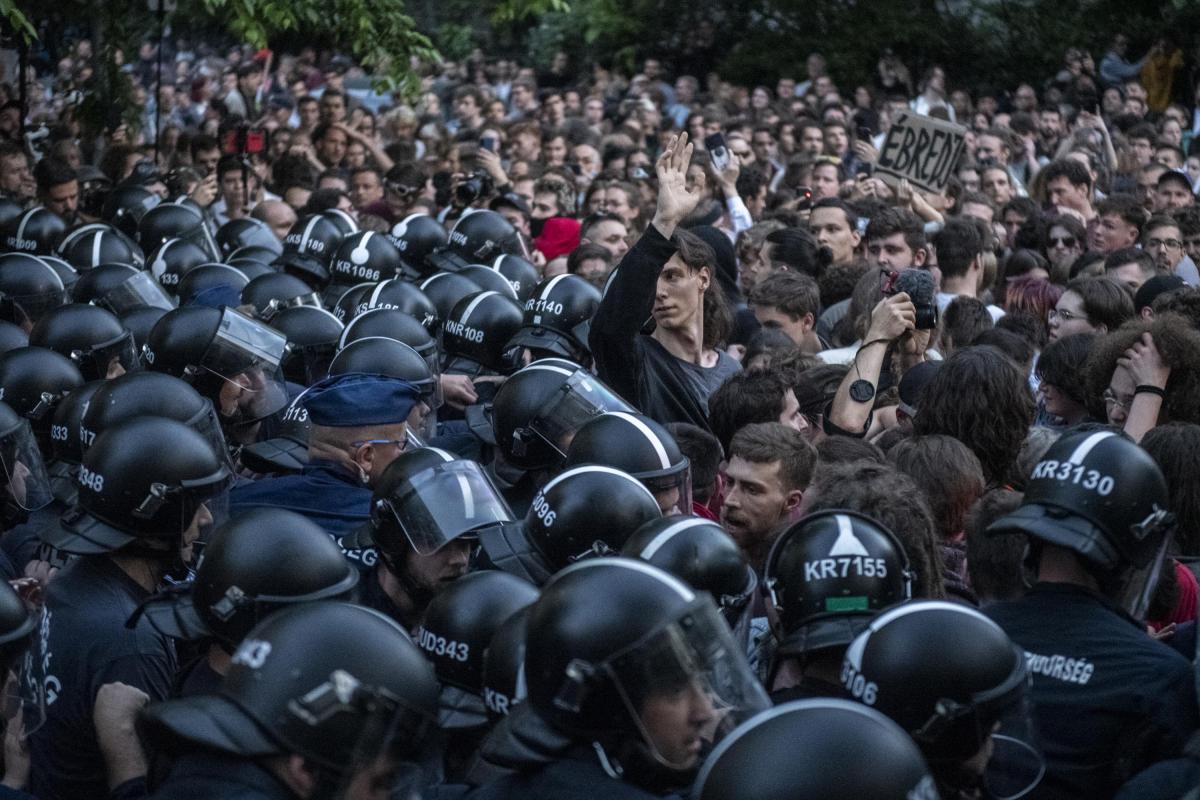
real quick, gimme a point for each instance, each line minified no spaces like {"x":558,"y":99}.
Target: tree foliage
{"x":981,"y":43}
{"x":379,"y":33}
{"x":16,"y":19}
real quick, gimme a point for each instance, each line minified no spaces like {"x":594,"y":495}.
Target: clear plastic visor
{"x":445,"y":502}
{"x":138,"y":290}
{"x":582,"y":397}
{"x":687,"y":685}
{"x":26,"y":480}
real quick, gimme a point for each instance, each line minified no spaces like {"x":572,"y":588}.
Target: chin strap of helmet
{"x":637,"y":764}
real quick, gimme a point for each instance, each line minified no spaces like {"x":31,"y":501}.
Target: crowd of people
{"x":577,"y":434}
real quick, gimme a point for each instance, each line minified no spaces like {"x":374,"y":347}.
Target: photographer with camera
{"x":906,"y":318}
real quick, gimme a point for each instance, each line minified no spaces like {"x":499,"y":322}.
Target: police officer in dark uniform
{"x":1108,"y":699}
{"x":700,"y":553}
{"x":950,"y":677}
{"x":229,"y":358}
{"x":458,"y":626}
{"x":831,"y":749}
{"x":427,"y":512}
{"x":33,"y":382}
{"x":585,"y":512}
{"x":826,"y":577}
{"x":252,"y":566}
{"x":621,"y":703}
{"x":358,"y":429}
{"x":531,"y":421}
{"x":140,"y":509}
{"x":318,"y":698}
{"x":18,"y":631}
{"x":640,"y":446}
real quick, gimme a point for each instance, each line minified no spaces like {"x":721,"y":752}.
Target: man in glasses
{"x":359,"y":424}
{"x":1163,"y":240}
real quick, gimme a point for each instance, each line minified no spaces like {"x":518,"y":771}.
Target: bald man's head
{"x":278,"y":215}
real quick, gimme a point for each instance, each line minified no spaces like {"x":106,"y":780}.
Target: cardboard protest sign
{"x":922,"y":149}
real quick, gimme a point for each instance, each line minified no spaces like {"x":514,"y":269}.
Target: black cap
{"x":1159,"y":284}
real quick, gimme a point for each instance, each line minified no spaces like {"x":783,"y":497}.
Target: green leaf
{"x":17,"y":19}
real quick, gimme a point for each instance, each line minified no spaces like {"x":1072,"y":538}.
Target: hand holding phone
{"x":717,"y":151}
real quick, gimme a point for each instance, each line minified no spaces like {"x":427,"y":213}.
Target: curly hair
{"x":1062,"y":363}
{"x":1184,"y":301}
{"x":1175,"y":447}
{"x":981,"y":398}
{"x":1179,"y":345}
{"x":889,"y":497}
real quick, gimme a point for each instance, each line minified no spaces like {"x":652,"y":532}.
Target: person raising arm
{"x":656,"y":332}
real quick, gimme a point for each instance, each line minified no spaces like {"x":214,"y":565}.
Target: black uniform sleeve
{"x":150,"y":673}
{"x":627,"y":304}
{"x":133,"y":789}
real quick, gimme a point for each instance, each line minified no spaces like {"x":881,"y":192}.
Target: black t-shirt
{"x":635,"y":365}
{"x":21,"y":543}
{"x":1108,"y":700}
{"x":195,"y":678}
{"x":87,"y":645}
{"x":209,"y":775}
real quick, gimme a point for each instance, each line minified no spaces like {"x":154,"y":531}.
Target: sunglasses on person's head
{"x":399,"y":189}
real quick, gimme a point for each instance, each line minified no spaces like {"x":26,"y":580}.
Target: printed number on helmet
{"x":857,"y":685}
{"x":546,"y":514}
{"x":91,"y":480}
{"x":1089,"y":479}
{"x":438,"y":645}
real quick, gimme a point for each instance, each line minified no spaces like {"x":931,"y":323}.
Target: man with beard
{"x":58,"y":188}
{"x":426,"y":512}
{"x":1163,"y":240}
{"x":770,"y":466}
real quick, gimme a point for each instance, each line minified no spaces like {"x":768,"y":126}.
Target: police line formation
{"x":277,"y":564}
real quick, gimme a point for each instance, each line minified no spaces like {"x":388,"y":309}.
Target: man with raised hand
{"x":665,"y":284}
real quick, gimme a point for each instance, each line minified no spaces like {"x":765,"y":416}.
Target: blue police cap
{"x":218,"y":296}
{"x":357,"y":399}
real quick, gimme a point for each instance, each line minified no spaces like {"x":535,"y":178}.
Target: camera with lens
{"x":919,"y":285}
{"x":474,"y":187}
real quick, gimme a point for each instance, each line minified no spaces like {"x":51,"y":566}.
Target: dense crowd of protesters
{"x":634,"y":403}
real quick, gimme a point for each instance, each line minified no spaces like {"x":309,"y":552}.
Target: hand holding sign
{"x":921,"y":149}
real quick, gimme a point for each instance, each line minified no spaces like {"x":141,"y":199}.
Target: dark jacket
{"x":204,"y":776}
{"x":1108,"y":700}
